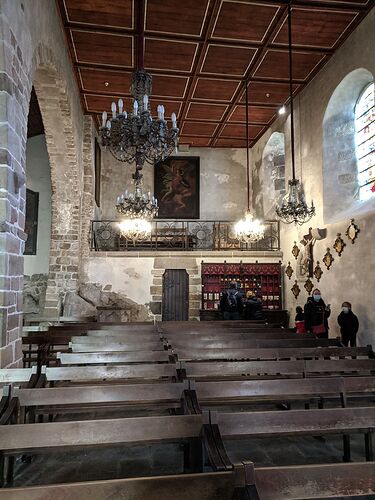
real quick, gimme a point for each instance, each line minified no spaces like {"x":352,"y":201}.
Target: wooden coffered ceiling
{"x":200,"y":53}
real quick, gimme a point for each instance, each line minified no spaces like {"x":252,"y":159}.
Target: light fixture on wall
{"x":293,"y":207}
{"x":137,"y":137}
{"x":248,"y":230}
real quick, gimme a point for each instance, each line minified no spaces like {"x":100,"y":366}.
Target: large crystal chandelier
{"x":248,"y":230}
{"x":293,"y":207}
{"x":136,"y":136}
{"x":137,"y":204}
{"x":135,"y":229}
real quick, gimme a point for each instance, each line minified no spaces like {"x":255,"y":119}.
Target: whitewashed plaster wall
{"x":38,"y":178}
{"x":352,"y":275}
{"x":222,"y":182}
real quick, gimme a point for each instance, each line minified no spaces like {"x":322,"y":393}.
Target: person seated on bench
{"x":316,"y":315}
{"x":253,"y":306}
{"x":300,"y":320}
{"x":231,"y":304}
{"x":349,"y":325}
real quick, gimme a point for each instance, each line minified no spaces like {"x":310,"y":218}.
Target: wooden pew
{"x":264,"y":344}
{"x":63,"y":436}
{"x":79,"y":374}
{"x":296,"y":368}
{"x":18,"y":375}
{"x":273,"y":353}
{"x":116,"y":347}
{"x":134,"y":340}
{"x":106,"y":358}
{"x":226,"y":338}
{"x":305,"y":481}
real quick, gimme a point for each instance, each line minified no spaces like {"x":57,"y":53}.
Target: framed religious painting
{"x":31,"y":221}
{"x":176,"y":187}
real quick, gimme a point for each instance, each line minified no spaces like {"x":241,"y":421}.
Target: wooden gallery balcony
{"x":184,"y":235}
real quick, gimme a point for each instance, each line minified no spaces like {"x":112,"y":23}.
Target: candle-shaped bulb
{"x":108,"y":125}
{"x":113,"y":108}
{"x":118,"y":200}
{"x":135,"y":107}
{"x":145,"y":101}
{"x":149,"y":195}
{"x":159,"y":111}
{"x":162,"y":112}
{"x":174,"y":120}
{"x":120,"y":106}
{"x":104,"y":118}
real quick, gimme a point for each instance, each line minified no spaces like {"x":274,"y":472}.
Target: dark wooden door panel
{"x":175,"y":295}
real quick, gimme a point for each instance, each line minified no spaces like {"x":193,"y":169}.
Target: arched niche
{"x":340,"y":174}
{"x":273,"y":173}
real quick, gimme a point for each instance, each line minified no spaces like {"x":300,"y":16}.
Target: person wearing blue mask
{"x":317,"y":314}
{"x":349,"y":325}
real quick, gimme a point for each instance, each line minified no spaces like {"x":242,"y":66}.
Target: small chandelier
{"x":135,"y":229}
{"x":293,"y":207}
{"x":137,"y":137}
{"x":137,"y":204}
{"x":248,"y":230}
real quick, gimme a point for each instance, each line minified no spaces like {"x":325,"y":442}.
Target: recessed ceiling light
{"x":106,"y":84}
{"x":268,"y":94}
{"x":282,"y":110}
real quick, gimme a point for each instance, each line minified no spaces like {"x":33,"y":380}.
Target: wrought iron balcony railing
{"x":187,"y":235}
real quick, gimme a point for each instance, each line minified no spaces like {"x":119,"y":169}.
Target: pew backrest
{"x":103,"y":358}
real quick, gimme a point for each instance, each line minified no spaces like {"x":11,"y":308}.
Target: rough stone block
{"x":6,"y":355}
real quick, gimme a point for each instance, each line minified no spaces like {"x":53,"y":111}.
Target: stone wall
{"x":33,"y":51}
{"x":351,"y":276}
{"x":222,"y":181}
{"x":134,"y":282}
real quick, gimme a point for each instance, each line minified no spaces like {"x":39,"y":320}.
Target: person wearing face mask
{"x":317,"y":314}
{"x":349,"y":325}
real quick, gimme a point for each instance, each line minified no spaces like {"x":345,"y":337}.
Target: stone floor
{"x":119,"y":462}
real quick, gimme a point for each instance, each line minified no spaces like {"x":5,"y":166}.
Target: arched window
{"x":365,"y":143}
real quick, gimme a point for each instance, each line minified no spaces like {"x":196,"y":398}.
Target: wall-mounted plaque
{"x":289,"y":270}
{"x":318,"y":271}
{"x":295,"y":250}
{"x":352,"y":231}
{"x":339,"y":244}
{"x":308,"y":286}
{"x":328,"y":259}
{"x":295,"y":289}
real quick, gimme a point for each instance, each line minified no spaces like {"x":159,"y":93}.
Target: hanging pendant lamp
{"x":248,"y":230}
{"x":293,"y":207}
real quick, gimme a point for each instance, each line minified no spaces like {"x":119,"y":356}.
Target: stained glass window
{"x":365,"y":142}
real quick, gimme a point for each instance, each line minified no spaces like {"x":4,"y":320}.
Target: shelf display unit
{"x":263,"y":279}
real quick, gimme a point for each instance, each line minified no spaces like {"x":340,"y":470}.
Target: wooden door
{"x":175,"y":295}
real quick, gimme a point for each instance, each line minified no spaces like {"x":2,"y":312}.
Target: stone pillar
{"x":88,"y":185}
{"x":15,"y":89}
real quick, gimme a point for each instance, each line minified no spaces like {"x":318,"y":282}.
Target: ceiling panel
{"x":275,"y":65}
{"x":243,"y":21}
{"x":201,"y":53}
{"x":176,"y":16}
{"x":316,"y":28}
{"x":227,"y":60}
{"x":110,"y":49}
{"x":118,"y":14}
{"x":200,"y":111}
{"x":170,"y":55}
{"x":256,"y":114}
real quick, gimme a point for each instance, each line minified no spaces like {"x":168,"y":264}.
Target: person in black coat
{"x":317,"y":314}
{"x":253,"y":307}
{"x":231,"y":303}
{"x":349,"y":325}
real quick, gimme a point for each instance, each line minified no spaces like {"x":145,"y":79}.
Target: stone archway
{"x":66,"y":178}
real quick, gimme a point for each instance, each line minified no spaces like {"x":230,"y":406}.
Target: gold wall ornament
{"x":295,"y":289}
{"x":318,"y":271}
{"x":308,"y":286}
{"x":295,"y":250}
{"x":328,"y":259}
{"x":339,"y":244}
{"x":289,"y":270}
{"x":352,"y":231}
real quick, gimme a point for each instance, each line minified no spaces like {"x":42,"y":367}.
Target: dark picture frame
{"x":31,"y":222}
{"x":176,"y":187}
{"x":98,"y":170}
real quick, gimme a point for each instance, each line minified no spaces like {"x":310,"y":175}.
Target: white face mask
{"x":345,"y":309}
{"x":317,"y":297}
